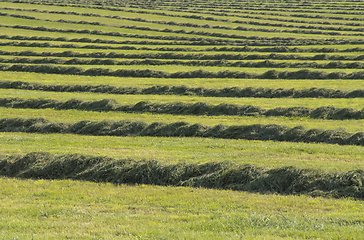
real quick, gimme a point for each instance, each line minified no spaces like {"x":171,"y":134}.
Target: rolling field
{"x":181,"y":119}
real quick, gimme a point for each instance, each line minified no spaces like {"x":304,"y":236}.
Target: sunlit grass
{"x":171,"y":150}
{"x":61,"y":209}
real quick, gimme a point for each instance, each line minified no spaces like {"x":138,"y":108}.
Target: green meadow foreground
{"x":61,"y":209}
{"x":172,"y":150}
{"x":181,"y":119}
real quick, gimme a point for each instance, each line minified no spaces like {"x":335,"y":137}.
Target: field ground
{"x":49,"y":209}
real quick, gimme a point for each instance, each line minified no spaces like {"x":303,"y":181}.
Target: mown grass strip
{"x":180,"y":108}
{"x":183,"y":129}
{"x":163,"y":55}
{"x":175,"y":150}
{"x":217,"y":175}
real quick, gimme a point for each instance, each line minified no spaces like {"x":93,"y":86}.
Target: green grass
{"x":218,"y":83}
{"x":62,"y":209}
{"x":268,"y":154}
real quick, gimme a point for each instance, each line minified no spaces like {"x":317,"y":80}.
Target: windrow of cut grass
{"x":211,"y":83}
{"x":48,"y":41}
{"x":73,"y":116}
{"x":183,"y":129}
{"x":234,"y":92}
{"x":216,"y":63}
{"x":266,"y":103}
{"x":190,"y":72}
{"x":179,"y":108}
{"x":219,"y":175}
{"x":37,"y":51}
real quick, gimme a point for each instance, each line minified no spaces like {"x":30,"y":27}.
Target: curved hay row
{"x":180,"y":108}
{"x":216,"y":63}
{"x":185,"y":90}
{"x":183,"y":129}
{"x":218,"y":175}
{"x":271,"y":74}
{"x":182,"y":56}
{"x":273,"y":49}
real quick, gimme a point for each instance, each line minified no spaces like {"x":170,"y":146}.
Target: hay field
{"x":225,"y":119}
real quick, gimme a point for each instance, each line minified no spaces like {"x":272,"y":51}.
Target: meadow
{"x":181,"y":119}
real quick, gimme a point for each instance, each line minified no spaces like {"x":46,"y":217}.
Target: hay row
{"x":217,"y":175}
{"x":184,"y":56}
{"x":235,"y":39}
{"x":216,"y":63}
{"x":183,"y":129}
{"x":271,"y":74}
{"x":260,"y":92}
{"x":274,"y":49}
{"x":180,"y":108}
